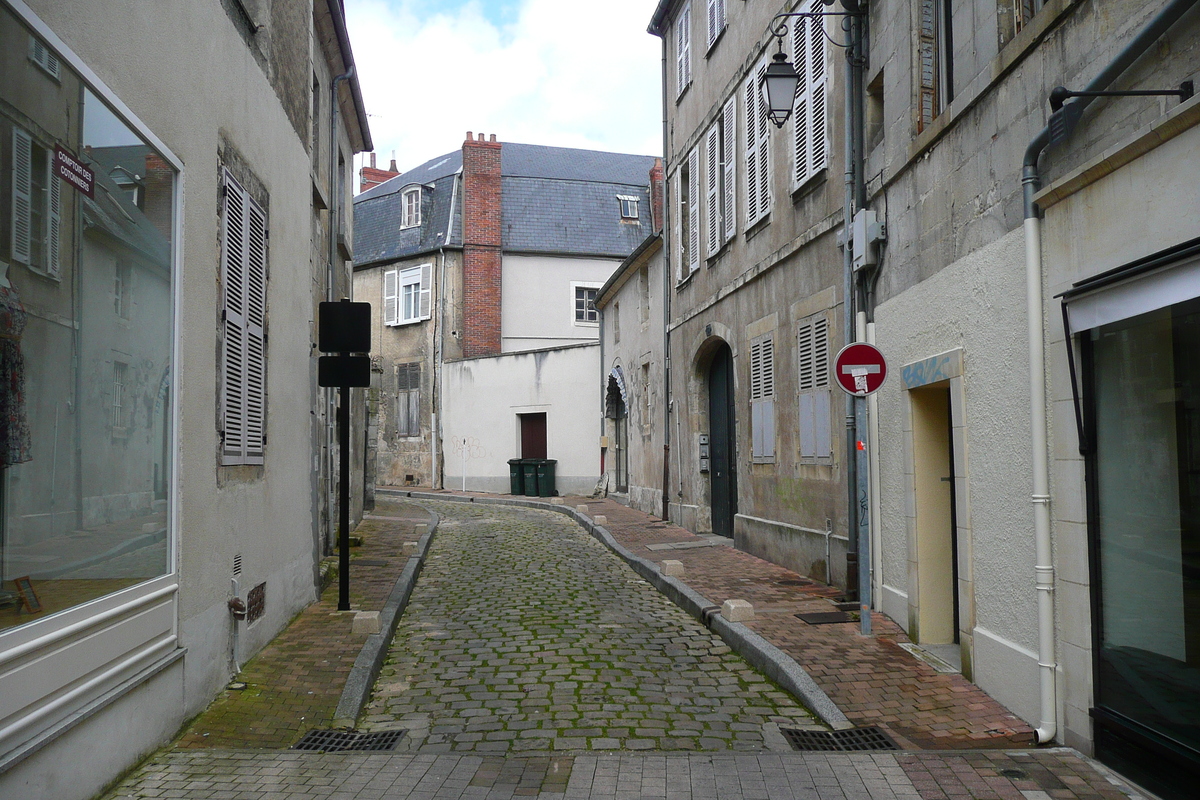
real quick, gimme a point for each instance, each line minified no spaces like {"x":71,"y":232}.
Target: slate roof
{"x":555,"y":200}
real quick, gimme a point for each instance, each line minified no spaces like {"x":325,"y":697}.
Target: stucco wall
{"x":483,"y":397}
{"x":538,"y":303}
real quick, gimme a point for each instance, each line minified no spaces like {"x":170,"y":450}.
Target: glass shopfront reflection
{"x":1145,"y":378}
{"x":86,"y":215}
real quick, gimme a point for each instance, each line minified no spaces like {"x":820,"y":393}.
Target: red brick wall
{"x":370,"y":177}
{"x":656,"y":195}
{"x":481,"y":246}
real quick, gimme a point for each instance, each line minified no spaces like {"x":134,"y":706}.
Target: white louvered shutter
{"x":391,"y":302}
{"x":810,"y":144}
{"x":22,"y":188}
{"x":715,"y":19}
{"x":677,"y":226}
{"x":818,"y":137}
{"x":801,"y":123}
{"x":256,"y":329}
{"x":712,"y":175}
{"x":728,"y":152}
{"x":764,"y":149}
{"x":424,"y":304}
{"x":54,"y":221}
{"x":758,"y":168}
{"x":751,"y":105}
{"x":683,"y":50}
{"x":233,"y":276}
{"x":693,"y":210}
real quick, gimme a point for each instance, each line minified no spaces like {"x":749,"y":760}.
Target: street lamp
{"x":778,"y":85}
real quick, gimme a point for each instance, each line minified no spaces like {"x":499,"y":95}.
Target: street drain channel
{"x":338,"y":741}
{"x":855,"y":739}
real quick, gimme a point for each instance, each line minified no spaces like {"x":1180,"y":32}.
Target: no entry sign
{"x":860,"y":369}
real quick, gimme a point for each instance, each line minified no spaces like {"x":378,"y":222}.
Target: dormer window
{"x":411,"y":216}
{"x":629,"y":206}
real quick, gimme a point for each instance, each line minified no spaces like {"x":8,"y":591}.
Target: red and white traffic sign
{"x":860,"y":369}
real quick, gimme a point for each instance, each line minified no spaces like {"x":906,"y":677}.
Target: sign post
{"x":344,"y":328}
{"x":860,"y":369}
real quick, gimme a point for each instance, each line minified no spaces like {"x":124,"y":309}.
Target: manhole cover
{"x":825,"y":617}
{"x":369,"y":562}
{"x":337,"y":741}
{"x":793,"y":582}
{"x":1014,"y":774}
{"x":871,"y":738}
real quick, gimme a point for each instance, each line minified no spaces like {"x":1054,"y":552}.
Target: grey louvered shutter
{"x":729,"y":153}
{"x":256,"y":329}
{"x":53,"y":221}
{"x":712,"y":174}
{"x":233,"y":367}
{"x":22,"y":190}
{"x":762,"y":397}
{"x":424,"y":304}
{"x":694,"y":210}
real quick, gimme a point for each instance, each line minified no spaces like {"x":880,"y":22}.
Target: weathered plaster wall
{"x":538,"y":303}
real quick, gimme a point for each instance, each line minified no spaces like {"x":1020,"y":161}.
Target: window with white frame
{"x":762,"y":398}
{"x":812,"y":361}
{"x":720,"y":191}
{"x":406,"y":294}
{"x":683,"y":49}
{"x":810,"y":143}
{"x":36,"y":205}
{"x":408,"y":399}
{"x":244,"y":366}
{"x":411,"y":202}
{"x":757,"y":149}
{"x":629,"y":206}
{"x":715,"y":19}
{"x":585,"y":305}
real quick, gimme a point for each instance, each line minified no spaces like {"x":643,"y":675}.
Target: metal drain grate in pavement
{"x":870,"y":738}
{"x":337,"y":741}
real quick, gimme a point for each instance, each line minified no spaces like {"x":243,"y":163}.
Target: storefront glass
{"x":1145,"y":374}
{"x":86,"y":215}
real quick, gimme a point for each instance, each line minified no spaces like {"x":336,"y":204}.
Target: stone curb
{"x":374,"y":651}
{"x":759,"y":652}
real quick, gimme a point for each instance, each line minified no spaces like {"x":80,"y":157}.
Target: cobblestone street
{"x":525,"y":634}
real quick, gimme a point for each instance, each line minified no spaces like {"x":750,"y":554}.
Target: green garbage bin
{"x":516,"y":476}
{"x":529,"y":467}
{"x":545,"y":476}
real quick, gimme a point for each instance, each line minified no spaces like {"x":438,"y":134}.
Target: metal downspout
{"x":1031,"y":183}
{"x":848,"y":334}
{"x":666,"y":304}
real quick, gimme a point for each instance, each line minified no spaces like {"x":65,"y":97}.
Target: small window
{"x":408,"y":399}
{"x":43,"y":57}
{"x":683,"y":49}
{"x":120,"y":405}
{"x":412,"y":209}
{"x":629,"y":206}
{"x":585,"y":305}
{"x":406,"y":294}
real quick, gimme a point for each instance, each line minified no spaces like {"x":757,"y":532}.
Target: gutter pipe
{"x":1031,"y":183}
{"x":666,"y":295}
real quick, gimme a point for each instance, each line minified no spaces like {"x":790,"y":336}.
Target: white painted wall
{"x":538,"y":301}
{"x":483,"y":396}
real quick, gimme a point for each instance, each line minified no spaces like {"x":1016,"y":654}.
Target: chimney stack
{"x":656,"y":196}
{"x":372,"y":176}
{"x":481,"y":246}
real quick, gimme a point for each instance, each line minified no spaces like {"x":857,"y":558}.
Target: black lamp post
{"x":778,"y":85}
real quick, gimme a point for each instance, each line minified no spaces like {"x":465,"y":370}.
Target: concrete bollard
{"x":737,"y":610}
{"x":600,"y":519}
{"x":671,"y":567}
{"x":557,"y":501}
{"x":420,"y":528}
{"x":582,"y":508}
{"x":409,"y":548}
{"x":365,"y":622}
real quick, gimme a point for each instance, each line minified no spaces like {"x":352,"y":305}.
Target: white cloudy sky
{"x":557,"y":72}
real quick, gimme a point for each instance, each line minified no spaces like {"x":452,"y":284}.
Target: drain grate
{"x":337,"y":741}
{"x":825,"y":617}
{"x":793,"y":582}
{"x":870,"y":738}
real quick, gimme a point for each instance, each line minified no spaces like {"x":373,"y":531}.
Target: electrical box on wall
{"x":704,"y":452}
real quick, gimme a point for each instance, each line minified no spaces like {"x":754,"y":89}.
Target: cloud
{"x":558,"y":73}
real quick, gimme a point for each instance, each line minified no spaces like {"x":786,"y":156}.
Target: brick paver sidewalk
{"x":871,"y":679}
{"x":294,"y":683}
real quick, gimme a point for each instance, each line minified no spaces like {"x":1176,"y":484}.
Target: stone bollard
{"x":671,"y":567}
{"x":557,"y":501}
{"x":600,"y":519}
{"x":582,"y":508}
{"x":420,"y":528}
{"x":737,"y":610}
{"x":409,"y":548}
{"x":365,"y":622}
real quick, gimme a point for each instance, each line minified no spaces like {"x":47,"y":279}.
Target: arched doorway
{"x":616,"y":411}
{"x":722,"y":441}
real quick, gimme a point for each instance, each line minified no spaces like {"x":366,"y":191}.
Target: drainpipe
{"x":1031,"y":183}
{"x":666,"y":321}
{"x":848,"y":334}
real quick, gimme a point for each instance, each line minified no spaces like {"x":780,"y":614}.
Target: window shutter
{"x":927,"y":64}
{"x":817,"y":133}
{"x":822,"y":435}
{"x":694,"y":210}
{"x":712,"y":154}
{"x":764,"y":149}
{"x":811,"y":145}
{"x":751,"y":154}
{"x":812,"y":345}
{"x":424,"y":310}
{"x":22,"y":188}
{"x":758,"y":168}
{"x":233,"y":275}
{"x":256,"y":325}
{"x":820,"y":346}
{"x":391,"y":288}
{"x":683,"y":50}
{"x":54,"y":220}
{"x":728,"y":149}
{"x":801,"y":124}
{"x":677,"y":226}
{"x":762,"y":397}
{"x":716,"y":20}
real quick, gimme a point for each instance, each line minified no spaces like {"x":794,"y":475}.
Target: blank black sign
{"x":338,"y":371}
{"x":344,"y":327}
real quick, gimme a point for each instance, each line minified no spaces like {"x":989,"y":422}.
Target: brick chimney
{"x":481,"y":246}
{"x":372,"y":176}
{"x":159,"y":181}
{"x":656,"y":196}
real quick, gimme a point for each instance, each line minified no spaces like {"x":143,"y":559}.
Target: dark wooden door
{"x":722,"y":442}
{"x":533,"y":435}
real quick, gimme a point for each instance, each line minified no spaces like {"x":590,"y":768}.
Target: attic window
{"x":411,"y":216}
{"x":629,"y":206}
